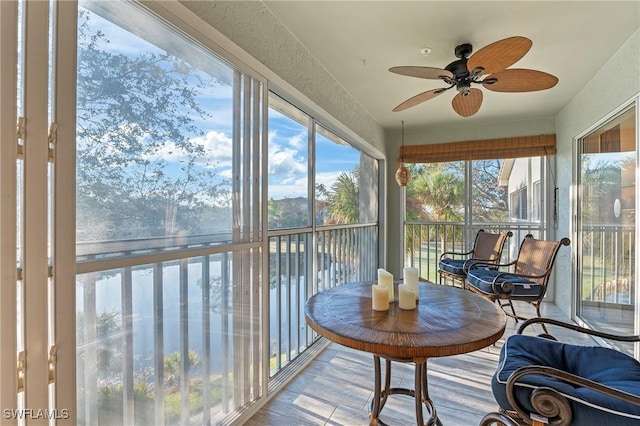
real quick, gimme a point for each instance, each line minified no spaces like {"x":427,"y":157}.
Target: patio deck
{"x":336,"y":387}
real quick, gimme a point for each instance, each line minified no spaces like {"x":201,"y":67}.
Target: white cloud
{"x":298,"y":187}
{"x":285,"y":164}
{"x":299,"y":140}
{"x":327,"y":178}
{"x":217,"y":148}
{"x":292,"y":190}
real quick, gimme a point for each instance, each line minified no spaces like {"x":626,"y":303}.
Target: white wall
{"x":616,"y":82}
{"x":251,"y":26}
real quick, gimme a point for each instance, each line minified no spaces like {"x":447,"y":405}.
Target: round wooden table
{"x":447,"y":321}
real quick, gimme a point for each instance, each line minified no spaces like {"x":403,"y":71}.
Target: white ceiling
{"x":358,"y":41}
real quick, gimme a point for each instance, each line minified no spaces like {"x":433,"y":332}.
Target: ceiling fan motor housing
{"x":461,"y":77}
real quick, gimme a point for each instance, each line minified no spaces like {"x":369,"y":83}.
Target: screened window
{"x":155,"y":137}
{"x":606,"y":226}
{"x":436,"y":192}
{"x":490,"y":180}
{"x":169,"y":190}
{"x":448,"y":202}
{"x":316,"y":179}
{"x":289,"y":202}
{"x":340,"y":170}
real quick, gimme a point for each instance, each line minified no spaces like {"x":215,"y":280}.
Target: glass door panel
{"x":606,"y":226}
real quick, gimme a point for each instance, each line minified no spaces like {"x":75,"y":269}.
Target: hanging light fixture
{"x":402,"y":174}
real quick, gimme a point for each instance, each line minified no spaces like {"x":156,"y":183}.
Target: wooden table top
{"x":447,"y":321}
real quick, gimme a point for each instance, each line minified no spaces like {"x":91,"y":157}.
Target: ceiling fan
{"x":489,"y":67}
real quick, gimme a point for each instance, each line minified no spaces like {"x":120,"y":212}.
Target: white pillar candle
{"x":406,"y":297}
{"x":410,"y":278}
{"x":386,"y":279}
{"x":379,"y":298}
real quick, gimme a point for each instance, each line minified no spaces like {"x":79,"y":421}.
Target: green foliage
{"x":288,"y":213}
{"x":173,"y":400}
{"x":110,"y":395}
{"x":439,"y":190}
{"x":435,"y":193}
{"x":343,"y":200}
{"x":172,"y":363}
{"x":490,"y":201}
{"x":110,"y":402}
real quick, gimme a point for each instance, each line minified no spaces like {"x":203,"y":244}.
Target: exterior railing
{"x":173,"y":321}
{"x":333,"y":255}
{"x":608,"y":270}
{"x":168,"y":335}
{"x":426,"y":241}
{"x":169,"y":330}
{"x":608,"y":253}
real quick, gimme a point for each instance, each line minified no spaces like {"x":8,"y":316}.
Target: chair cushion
{"x":603,"y":365}
{"x":452,"y":266}
{"x":482,"y":279}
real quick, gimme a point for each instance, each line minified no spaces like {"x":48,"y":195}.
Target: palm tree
{"x":344,"y":199}
{"x":436,"y":194}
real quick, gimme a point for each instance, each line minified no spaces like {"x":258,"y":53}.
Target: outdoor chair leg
{"x":513,"y":310}
{"x":544,"y":326}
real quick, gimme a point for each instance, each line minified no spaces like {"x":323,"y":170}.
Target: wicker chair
{"x":528,"y":281}
{"x":487,"y":248}
{"x":542,"y":381}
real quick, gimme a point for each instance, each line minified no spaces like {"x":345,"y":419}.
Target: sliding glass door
{"x":606,"y":226}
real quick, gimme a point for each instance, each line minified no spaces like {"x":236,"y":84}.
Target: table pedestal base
{"x":420,"y":393}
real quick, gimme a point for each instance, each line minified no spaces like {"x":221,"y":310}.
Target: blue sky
{"x":288,"y":158}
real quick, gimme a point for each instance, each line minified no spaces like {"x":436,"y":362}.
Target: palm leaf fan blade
{"x":519,"y":80}
{"x":499,"y":55}
{"x":418,"y":99}
{"x":467,"y":105}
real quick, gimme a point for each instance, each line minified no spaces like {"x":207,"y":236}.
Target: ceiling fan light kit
{"x":488,"y":67}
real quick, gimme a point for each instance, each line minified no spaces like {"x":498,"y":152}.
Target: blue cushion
{"x":603,"y":365}
{"x":482,"y":279}
{"x":452,"y":266}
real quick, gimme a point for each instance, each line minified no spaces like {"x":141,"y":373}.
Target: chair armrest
{"x":547,"y":401}
{"x":506,"y":286}
{"x":498,"y":418}
{"x":575,"y":327}
{"x":484,"y":263}
{"x":474,"y":260}
{"x":454,"y":253}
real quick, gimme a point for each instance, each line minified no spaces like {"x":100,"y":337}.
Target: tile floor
{"x":336,"y":387}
